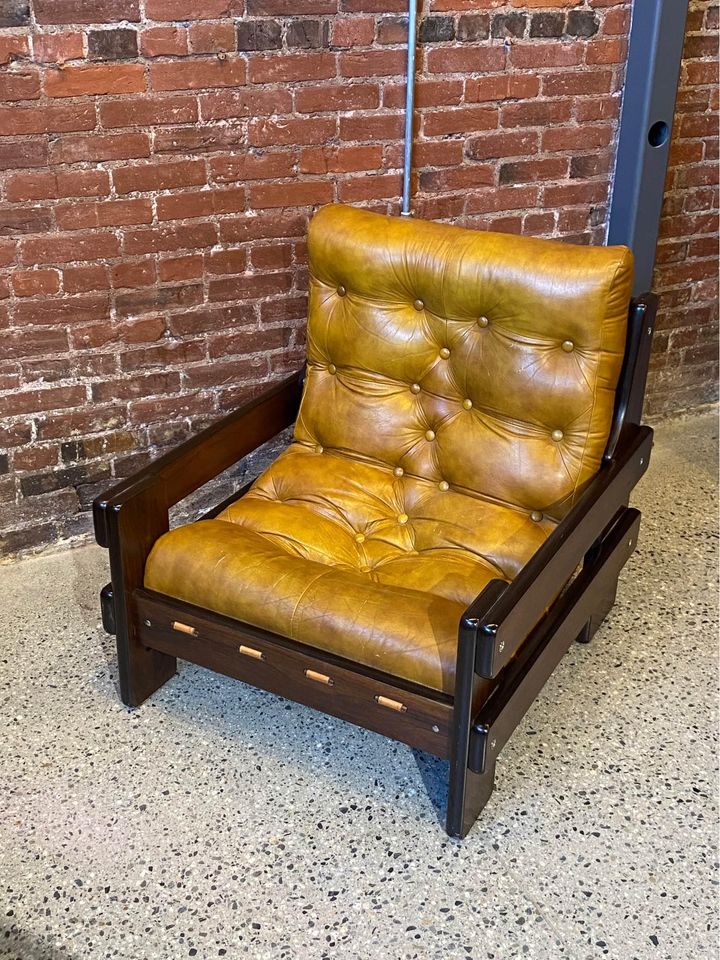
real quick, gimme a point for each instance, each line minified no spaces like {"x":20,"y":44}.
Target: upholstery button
{"x":536,"y":516}
{"x":467,"y":404}
{"x":419,"y":305}
{"x":332,"y":368}
{"x":341,"y":291}
{"x":398,"y":471}
{"x":415,"y":388}
{"x":403,"y":518}
{"x":483,"y":322}
{"x":568,"y":346}
{"x":359,"y":538}
{"x":443,"y":485}
{"x":318,"y":448}
{"x":557,"y":435}
{"x":430,"y":435}
{"x":444,"y":353}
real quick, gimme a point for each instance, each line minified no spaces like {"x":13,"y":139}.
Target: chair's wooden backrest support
{"x":484,"y":361}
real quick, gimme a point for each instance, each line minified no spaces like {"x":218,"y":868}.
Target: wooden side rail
{"x":502,"y":628}
{"x":204,"y":456}
{"x":396,"y":708}
{"x":525,"y":677}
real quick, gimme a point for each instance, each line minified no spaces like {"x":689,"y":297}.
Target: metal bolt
{"x":472,"y":622}
{"x":630,"y":543}
{"x":501,"y":646}
{"x":148,"y":623}
{"x":642,"y":461}
{"x":435,"y":728}
{"x":649,"y":331}
{"x":493,"y":744}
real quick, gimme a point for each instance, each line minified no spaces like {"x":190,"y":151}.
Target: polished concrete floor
{"x":221,"y":821}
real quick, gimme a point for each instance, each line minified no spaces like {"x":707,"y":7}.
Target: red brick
{"x":91,"y":147}
{"x":228,"y":261}
{"x":80,"y":81}
{"x":110,"y":213}
{"x":372,"y":63}
{"x":33,"y":342}
{"x":301,"y":193}
{"x":539,"y":55}
{"x":471,"y":59}
{"x":291,"y":68}
{"x":148,"y":111}
{"x":197,"y":74}
{"x":188,"y":267}
{"x":167,"y":237}
{"x":352,"y":31}
{"x":13,"y":47}
{"x":202,"y":203}
{"x":187,"y":9}
{"x":606,"y":51}
{"x":34,"y":401}
{"x":57,"y":47}
{"x":337,"y":97}
{"x":463,"y":120}
{"x":244,"y":103}
{"x":66,"y":248}
{"x":86,"y":11}
{"x":134,"y":273}
{"x":164,"y":41}
{"x":54,"y":312}
{"x":212,"y":37}
{"x":14,"y":155}
{"x":86,"y":278}
{"x":201,"y":138}
{"x":15,"y":221}
{"x":55,"y":118}
{"x":30,"y":283}
{"x":53,"y":186}
{"x":344,"y":159}
{"x":268,"y":132}
{"x":267,"y":166}
{"x":246,"y":287}
{"x":147,"y":177}
{"x":23,"y":85}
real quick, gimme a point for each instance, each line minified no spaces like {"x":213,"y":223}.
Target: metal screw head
{"x":630,"y":543}
{"x":493,"y":744}
{"x":435,"y":728}
{"x":642,"y":461}
{"x":501,"y":646}
{"x":148,"y":623}
{"x":649,"y":330}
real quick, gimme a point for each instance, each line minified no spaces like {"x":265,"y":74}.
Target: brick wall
{"x":158,"y":167}
{"x":685,"y":361}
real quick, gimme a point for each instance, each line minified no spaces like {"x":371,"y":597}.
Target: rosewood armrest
{"x":193,"y":463}
{"x":502,"y":626}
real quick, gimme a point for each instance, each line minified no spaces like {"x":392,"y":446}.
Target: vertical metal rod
{"x":409,"y":106}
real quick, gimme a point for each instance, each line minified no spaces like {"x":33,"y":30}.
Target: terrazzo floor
{"x":219,"y":821}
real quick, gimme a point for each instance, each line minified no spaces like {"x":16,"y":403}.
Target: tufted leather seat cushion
{"x":459,"y":394}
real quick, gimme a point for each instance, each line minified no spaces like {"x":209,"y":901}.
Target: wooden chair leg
{"x":466,"y":800}
{"x":132,"y":530}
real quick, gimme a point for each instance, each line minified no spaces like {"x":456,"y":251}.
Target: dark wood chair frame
{"x":510,"y":638}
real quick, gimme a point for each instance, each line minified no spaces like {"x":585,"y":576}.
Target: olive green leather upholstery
{"x":459,"y":395}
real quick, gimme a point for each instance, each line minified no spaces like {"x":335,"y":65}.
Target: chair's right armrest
{"x":502,"y":627}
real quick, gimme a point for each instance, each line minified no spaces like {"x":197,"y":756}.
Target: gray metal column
{"x":409,"y":106}
{"x":651,"y":81}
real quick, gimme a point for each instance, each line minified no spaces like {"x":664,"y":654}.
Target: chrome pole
{"x":409,"y":106}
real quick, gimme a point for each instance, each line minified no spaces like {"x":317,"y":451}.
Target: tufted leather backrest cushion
{"x":482,"y":362}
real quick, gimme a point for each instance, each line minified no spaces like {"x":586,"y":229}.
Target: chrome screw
{"x":435,"y":728}
{"x":148,"y":623}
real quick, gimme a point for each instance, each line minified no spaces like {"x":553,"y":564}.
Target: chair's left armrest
{"x":502,"y":627}
{"x":193,"y":463}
